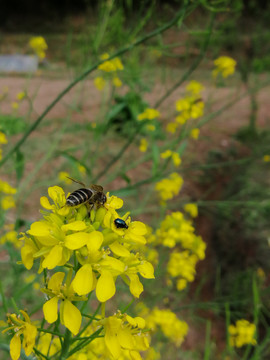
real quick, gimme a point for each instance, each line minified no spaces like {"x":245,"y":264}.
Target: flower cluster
{"x":21,"y":327}
{"x":225,"y":66}
{"x":189,"y":108}
{"x":176,"y":230}
{"x":109,"y":70}
{"x":165,"y":320}
{"x":242,"y":333}
{"x":169,"y":187}
{"x":148,"y":114}
{"x":6,"y":195}
{"x":173,"y":155}
{"x":3,"y":140}
{"x":39,"y":45}
{"x":101,"y":252}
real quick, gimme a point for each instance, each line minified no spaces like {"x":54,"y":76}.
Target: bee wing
{"x":76,"y":181}
{"x":97,"y":188}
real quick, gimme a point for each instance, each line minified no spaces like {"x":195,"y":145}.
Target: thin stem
{"x":179,"y":16}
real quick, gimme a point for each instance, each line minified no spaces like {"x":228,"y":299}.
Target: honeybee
{"x":93,"y":195}
{"x":120,"y":224}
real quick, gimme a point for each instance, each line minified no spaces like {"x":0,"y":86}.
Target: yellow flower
{"x":148,"y":114}
{"x":10,"y":235}
{"x":172,"y":327}
{"x":170,"y":187}
{"x":63,"y":176}
{"x":70,"y":315}
{"x":192,"y":209}
{"x":174,"y":155}
{"x":6,"y":188}
{"x":81,"y":169}
{"x":39,"y":45}
{"x":7,"y":202}
{"x":242,"y":333}
{"x":225,"y":65}
{"x":3,"y":139}
{"x":150,"y":127}
{"x":14,"y":105}
{"x":122,"y":332}
{"x":182,"y":104}
{"x":21,"y":95}
{"x":194,"y":87}
{"x":171,"y":127}
{"x":111,"y":65}
{"x":117,"y":82}
{"x":24,"y":328}
{"x":194,"y":134}
{"x":266,"y":158}
{"x":143,"y":145}
{"x":99,"y":83}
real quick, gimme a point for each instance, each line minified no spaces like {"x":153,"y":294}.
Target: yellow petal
{"x":138,"y":228}
{"x":77,"y":240}
{"x":50,"y":310}
{"x":15,"y":347}
{"x":42,"y":231}
{"x":126,"y":339}
{"x":111,"y":340}
{"x":72,"y":317}
{"x":112,"y":264}
{"x":119,"y":249}
{"x":95,"y":241}
{"x":146,"y":270}
{"x":135,"y":286}
{"x":135,"y":355}
{"x":83,"y":280}
{"x":27,"y":256}
{"x":29,"y":338}
{"x":74,"y":226}
{"x":55,"y":281}
{"x":56,"y":193}
{"x":105,"y":288}
{"x":53,"y":258}
{"x":44,"y":202}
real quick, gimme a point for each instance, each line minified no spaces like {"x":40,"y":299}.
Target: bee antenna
{"x":76,"y":181}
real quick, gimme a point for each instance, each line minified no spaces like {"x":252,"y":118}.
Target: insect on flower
{"x":93,"y":195}
{"x":120,"y":224}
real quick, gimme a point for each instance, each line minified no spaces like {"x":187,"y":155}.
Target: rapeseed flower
{"x":165,"y":320}
{"x":3,"y":139}
{"x":194,"y":87}
{"x":21,"y":95}
{"x":7,"y":202}
{"x":70,"y":315}
{"x":99,"y":83}
{"x":148,"y":114}
{"x":39,"y":45}
{"x":225,"y":66}
{"x":172,"y":154}
{"x":6,"y":188}
{"x":109,"y":70}
{"x":21,"y":327}
{"x":170,"y":187}
{"x":194,"y":134}
{"x":143,"y":145}
{"x":64,"y":177}
{"x":192,"y":209}
{"x":266,"y":158}
{"x":242,"y":333}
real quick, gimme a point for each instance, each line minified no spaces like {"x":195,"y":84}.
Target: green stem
{"x":179,"y":16}
{"x":50,"y":332}
{"x":65,"y":346}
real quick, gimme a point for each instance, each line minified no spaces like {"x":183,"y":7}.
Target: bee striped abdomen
{"x":79,"y":196}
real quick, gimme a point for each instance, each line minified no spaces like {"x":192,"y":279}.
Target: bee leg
{"x":89,"y":208}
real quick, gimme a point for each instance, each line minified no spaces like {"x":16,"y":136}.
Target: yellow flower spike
{"x":105,"y":288}
{"x":148,"y":114}
{"x":83,"y":280}
{"x":71,"y":316}
{"x":39,"y":45}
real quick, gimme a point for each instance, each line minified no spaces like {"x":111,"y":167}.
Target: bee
{"x":120,"y":224}
{"x":93,"y":195}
